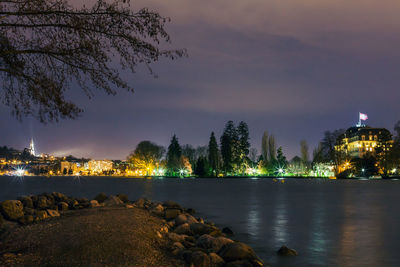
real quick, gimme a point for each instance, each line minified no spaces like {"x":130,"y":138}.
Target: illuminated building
{"x":99,"y":166}
{"x":361,"y":140}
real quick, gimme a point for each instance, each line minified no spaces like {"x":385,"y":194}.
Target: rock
{"x":201,"y":229}
{"x":216,"y":233}
{"x":140,"y":203}
{"x":29,"y":211}
{"x":158,"y":210}
{"x":26,"y":201}
{"x":113,"y":201}
{"x":73,"y":204}
{"x":190,"y":211}
{"x":241,"y":263}
{"x":94,"y":203}
{"x":42,"y":203}
{"x":27,"y":219}
{"x":227,"y":231}
{"x":190,"y":239}
{"x":82,"y":200}
{"x":200,"y":259}
{"x":171,"y":224}
{"x":170,"y":214}
{"x":129,"y":206}
{"x":191,"y":219}
{"x":41,"y":215}
{"x":220,"y":242}
{"x":171,"y":204}
{"x":183,"y":229}
{"x":178,"y":245}
{"x":62,"y":206}
{"x":186,"y":255}
{"x":211,"y":243}
{"x":50,"y":199}
{"x":101,"y":197}
{"x":124,"y":198}
{"x":205,"y":241}
{"x":12,"y":209}
{"x":215,"y":260}
{"x":176,"y":238}
{"x":53,"y":213}
{"x":237,"y":251}
{"x":59,"y":197}
{"x":180,"y":219}
{"x":285,"y":251}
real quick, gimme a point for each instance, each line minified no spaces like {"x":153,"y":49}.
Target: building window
{"x":363,"y":137}
{"x":370,"y":138}
{"x":375,"y":137}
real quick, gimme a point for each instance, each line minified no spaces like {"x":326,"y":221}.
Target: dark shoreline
{"x":189,"y":238}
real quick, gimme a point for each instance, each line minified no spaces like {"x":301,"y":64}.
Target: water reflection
{"x":280,"y":218}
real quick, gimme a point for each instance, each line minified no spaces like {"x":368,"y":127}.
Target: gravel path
{"x":89,"y":237}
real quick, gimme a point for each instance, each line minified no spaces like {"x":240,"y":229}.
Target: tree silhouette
{"x":48,"y":46}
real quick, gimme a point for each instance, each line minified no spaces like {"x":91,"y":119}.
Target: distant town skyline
{"x":293,"y":68}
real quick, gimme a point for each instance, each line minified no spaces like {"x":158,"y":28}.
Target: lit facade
{"x":99,"y":166}
{"x":360,"y":141}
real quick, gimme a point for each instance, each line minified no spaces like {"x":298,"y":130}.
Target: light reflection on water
{"x":330,"y":223}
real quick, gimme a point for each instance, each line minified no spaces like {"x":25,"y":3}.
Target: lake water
{"x":329,"y":222}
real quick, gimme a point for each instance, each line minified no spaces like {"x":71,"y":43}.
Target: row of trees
{"x":233,"y":156}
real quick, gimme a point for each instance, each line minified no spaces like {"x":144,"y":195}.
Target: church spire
{"x":32,"y":148}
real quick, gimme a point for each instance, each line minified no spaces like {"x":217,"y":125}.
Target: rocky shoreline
{"x":190,"y":239}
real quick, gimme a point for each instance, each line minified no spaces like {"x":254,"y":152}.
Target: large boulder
{"x":42,"y":203}
{"x":171,"y":213}
{"x":200,"y":259}
{"x":62,"y":206}
{"x":94,"y":203}
{"x":140,"y":203}
{"x":53,"y":213}
{"x":113,"y":201}
{"x":237,"y":251}
{"x":124,"y":198}
{"x":205,"y":241}
{"x":201,"y":228}
{"x":158,"y":210}
{"x":180,"y":219}
{"x":183,"y":229}
{"x":73,"y":204}
{"x":101,"y":197}
{"x":227,"y":231}
{"x":26,"y":201}
{"x":220,"y":242}
{"x":41,"y":215}
{"x":211,"y":243}
{"x":176,"y":238}
{"x":59,"y":197}
{"x":215,"y":260}
{"x":285,"y":251}
{"x":12,"y":209}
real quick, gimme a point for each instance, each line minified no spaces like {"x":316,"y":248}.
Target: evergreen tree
{"x":174,"y":156}
{"x":201,"y":169}
{"x":213,"y":157}
{"x":264,"y":148}
{"x":280,"y":158}
{"x":229,"y":141}
{"x":243,"y":146}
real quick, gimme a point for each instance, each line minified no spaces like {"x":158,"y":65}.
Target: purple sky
{"x":294,"y":68}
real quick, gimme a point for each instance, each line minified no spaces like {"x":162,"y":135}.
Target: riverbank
{"x":53,"y":229}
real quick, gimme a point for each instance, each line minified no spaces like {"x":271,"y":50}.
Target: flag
{"x":363,"y":117}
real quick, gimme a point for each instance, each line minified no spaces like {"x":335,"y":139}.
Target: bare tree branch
{"x":46,"y":46}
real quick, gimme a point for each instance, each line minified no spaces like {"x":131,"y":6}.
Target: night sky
{"x":294,"y":68}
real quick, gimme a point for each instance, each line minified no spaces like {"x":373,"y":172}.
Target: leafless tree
{"x":48,"y":46}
